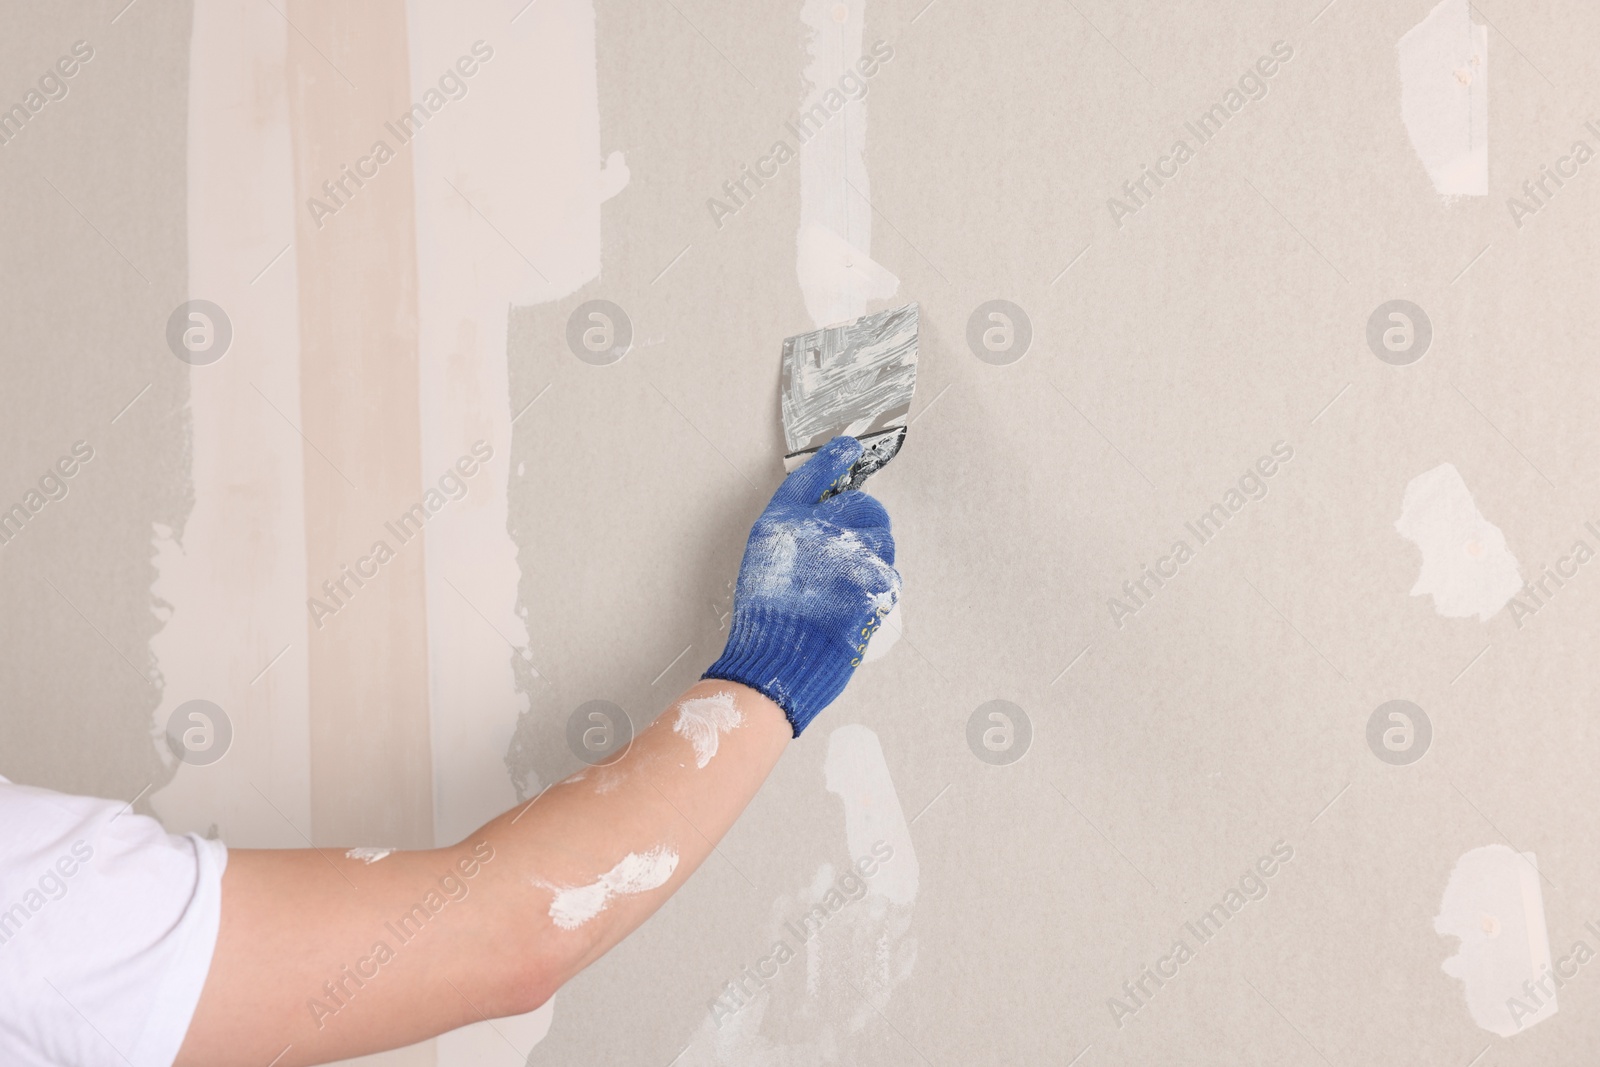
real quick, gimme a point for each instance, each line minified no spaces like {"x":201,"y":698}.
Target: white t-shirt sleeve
{"x":107,"y":927}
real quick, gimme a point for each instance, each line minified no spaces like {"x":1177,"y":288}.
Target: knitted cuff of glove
{"x":791,"y":667}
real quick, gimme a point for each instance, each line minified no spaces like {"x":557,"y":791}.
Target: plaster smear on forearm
{"x":368,"y":855}
{"x":638,"y":872}
{"x":703,"y":720}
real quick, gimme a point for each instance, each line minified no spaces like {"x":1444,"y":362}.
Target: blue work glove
{"x":817,"y":579}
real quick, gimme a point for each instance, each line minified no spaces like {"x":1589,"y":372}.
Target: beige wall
{"x":1169,"y":353}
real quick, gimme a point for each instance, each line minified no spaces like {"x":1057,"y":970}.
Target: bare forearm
{"x":598,"y":853}
{"x":336,"y":957}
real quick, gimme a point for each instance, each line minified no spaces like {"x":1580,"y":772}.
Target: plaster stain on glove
{"x":772,"y":562}
{"x":817,"y":575}
{"x":638,"y":872}
{"x":774,"y":569}
{"x":703,"y":720}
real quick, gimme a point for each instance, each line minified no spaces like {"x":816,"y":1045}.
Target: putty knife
{"x":855,"y":378}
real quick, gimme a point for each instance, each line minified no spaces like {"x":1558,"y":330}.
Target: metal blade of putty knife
{"x":855,"y":378}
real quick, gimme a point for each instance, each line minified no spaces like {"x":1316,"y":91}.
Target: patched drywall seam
{"x":508,"y":185}
{"x":237,"y":632}
{"x":529,"y":159}
{"x":1444,"y":98}
{"x":834,"y":244}
{"x":355,"y":249}
{"x":836,"y":950}
{"x":838,"y":276}
{"x":464,"y":158}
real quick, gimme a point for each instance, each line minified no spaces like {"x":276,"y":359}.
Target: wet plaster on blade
{"x":1494,"y":906}
{"x":241,"y":554}
{"x":1444,"y":98}
{"x":856,"y":378}
{"x":1466,"y":567}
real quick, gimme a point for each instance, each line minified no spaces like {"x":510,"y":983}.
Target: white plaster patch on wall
{"x":857,"y":772}
{"x":521,"y":149}
{"x":834,"y":244}
{"x":1494,"y":906}
{"x":367,"y":854}
{"x":1444,"y":98}
{"x":637,"y":872}
{"x":854,"y":924}
{"x":614,"y":175}
{"x":1466,"y":567}
{"x":703,"y":720}
{"x":879,"y":644}
{"x":234,"y":578}
{"x":838,"y":276}
{"x":464,"y":294}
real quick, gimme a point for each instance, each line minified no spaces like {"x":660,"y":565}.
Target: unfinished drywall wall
{"x":1240,"y":706}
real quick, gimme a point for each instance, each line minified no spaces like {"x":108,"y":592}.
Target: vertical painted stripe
{"x":371,"y":765}
{"x":508,"y":192}
{"x":833,"y":260}
{"x":232,"y":576}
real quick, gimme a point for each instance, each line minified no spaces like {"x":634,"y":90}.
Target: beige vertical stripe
{"x":371,"y":766}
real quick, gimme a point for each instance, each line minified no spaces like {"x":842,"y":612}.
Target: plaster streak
{"x":856,"y":958}
{"x":637,"y":872}
{"x":522,"y":149}
{"x":1494,"y":907}
{"x":367,"y":854}
{"x":1466,"y":567}
{"x":703,"y":720}
{"x":834,"y":243}
{"x":857,"y":773}
{"x":838,"y":276}
{"x":371,"y":750}
{"x":233,"y":576}
{"x":464,"y":292}
{"x":1444,"y":98}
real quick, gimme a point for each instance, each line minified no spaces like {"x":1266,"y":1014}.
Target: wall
{"x":1188,"y":732}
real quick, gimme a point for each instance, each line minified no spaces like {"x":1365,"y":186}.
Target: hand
{"x":817,"y":579}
